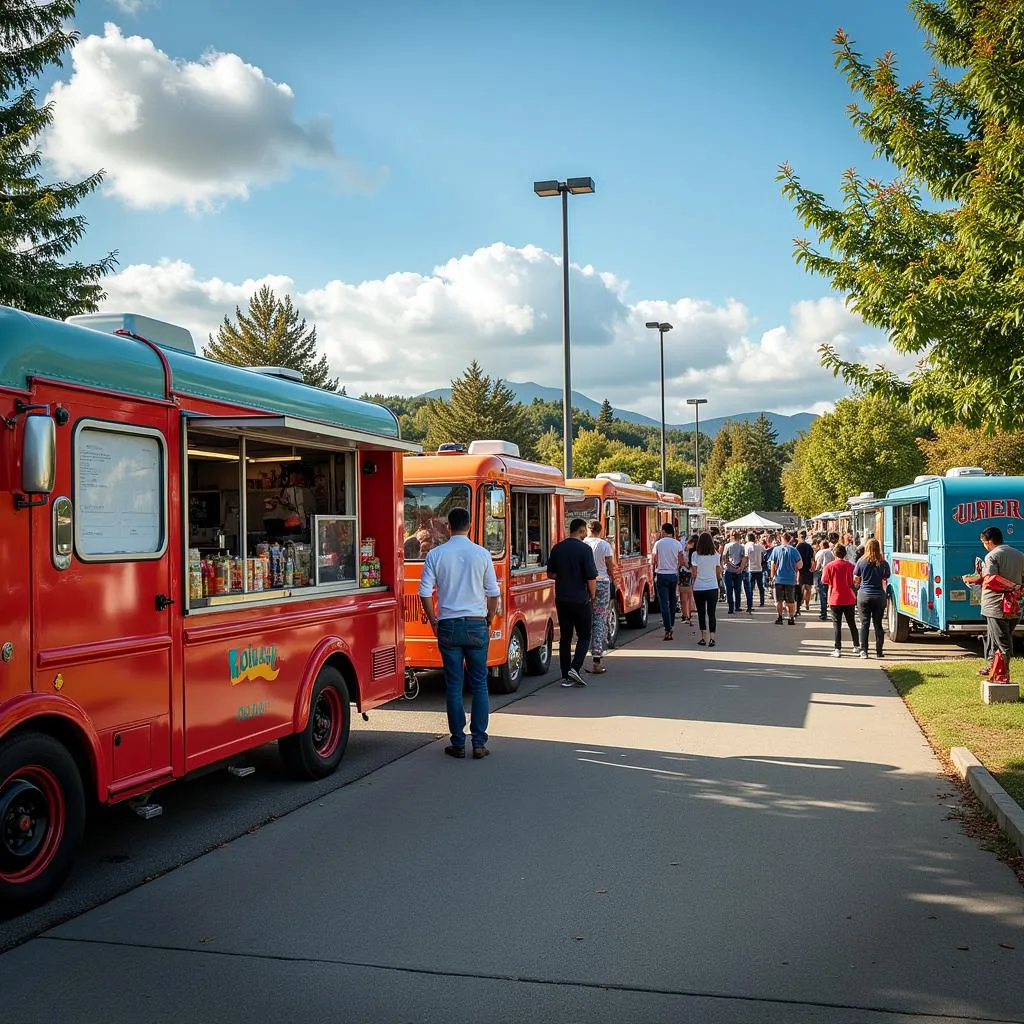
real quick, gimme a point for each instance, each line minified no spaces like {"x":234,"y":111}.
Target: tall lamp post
{"x":661,"y":329}
{"x":697,"y":403}
{"x":577,"y":187}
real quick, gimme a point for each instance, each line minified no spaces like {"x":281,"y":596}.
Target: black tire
{"x":614,"y":621}
{"x":510,"y":675}
{"x":638,"y":617}
{"x":898,"y":624}
{"x":538,"y":661}
{"x":315,"y":752}
{"x":42,"y":818}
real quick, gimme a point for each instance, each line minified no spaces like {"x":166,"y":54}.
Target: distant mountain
{"x":526,"y":391}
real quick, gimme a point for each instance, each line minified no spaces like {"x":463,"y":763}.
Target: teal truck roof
{"x":35,"y":346}
{"x":956,"y":488}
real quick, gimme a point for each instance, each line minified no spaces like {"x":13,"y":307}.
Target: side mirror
{"x":38,"y":458}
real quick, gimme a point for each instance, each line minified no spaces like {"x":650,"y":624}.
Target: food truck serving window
{"x":531,"y":529}
{"x":910,"y":526}
{"x":426,"y":515}
{"x":121,"y":492}
{"x":265,"y":517}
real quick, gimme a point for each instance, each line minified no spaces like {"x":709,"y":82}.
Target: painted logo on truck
{"x":972,"y":511}
{"x":253,"y":662}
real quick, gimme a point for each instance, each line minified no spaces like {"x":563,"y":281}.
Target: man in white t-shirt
{"x":754,"y":576}
{"x":604,"y":559}
{"x":666,"y":558}
{"x":824,"y":555}
{"x":734,"y":563}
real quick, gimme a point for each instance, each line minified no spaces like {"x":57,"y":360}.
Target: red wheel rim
{"x":33,"y":814}
{"x":327,"y":716}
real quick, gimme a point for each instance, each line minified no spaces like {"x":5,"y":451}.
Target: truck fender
{"x":23,"y":708}
{"x":328,"y":646}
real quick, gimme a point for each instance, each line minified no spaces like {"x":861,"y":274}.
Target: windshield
{"x":426,"y":515}
{"x":587,"y":508}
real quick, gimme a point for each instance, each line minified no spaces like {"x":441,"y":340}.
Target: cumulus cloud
{"x":409,"y":332}
{"x":174,"y":132}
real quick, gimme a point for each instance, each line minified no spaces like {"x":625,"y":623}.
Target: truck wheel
{"x":638,"y":618}
{"x":899,"y":624}
{"x":614,"y":619}
{"x":42,"y":818}
{"x":538,"y":661}
{"x":316,"y":751}
{"x":510,"y":675}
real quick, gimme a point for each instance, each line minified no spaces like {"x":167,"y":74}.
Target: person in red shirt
{"x":838,"y":577}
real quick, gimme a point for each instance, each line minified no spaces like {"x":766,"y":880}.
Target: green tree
{"x":37,"y":227}
{"x":867,"y":444}
{"x":549,"y":448}
{"x":588,"y":451}
{"x":640,"y":465}
{"x":720,"y":456}
{"x":936,"y":256}
{"x":736,"y":492}
{"x":480,"y":408}
{"x":606,"y":417}
{"x":995,"y":451}
{"x":765,"y":458}
{"x":271,"y":333}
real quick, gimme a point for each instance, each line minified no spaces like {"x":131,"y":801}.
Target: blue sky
{"x":391,"y":191}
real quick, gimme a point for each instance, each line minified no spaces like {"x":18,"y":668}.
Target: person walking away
{"x":601,"y":611}
{"x":571,"y":565}
{"x":734,"y":560}
{"x":806,"y":579}
{"x":1001,"y":579}
{"x":686,"y":581}
{"x":666,"y":558}
{"x":706,"y":564}
{"x":821,"y":559}
{"x":755,"y":571}
{"x":851,"y":548}
{"x":837,"y":581}
{"x":871,"y":577}
{"x":784,"y":564}
{"x":467,"y":599}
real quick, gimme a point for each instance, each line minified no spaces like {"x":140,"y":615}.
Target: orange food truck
{"x":674,"y":510}
{"x":198,"y":559}
{"x":517,"y":514}
{"x":631,"y":516}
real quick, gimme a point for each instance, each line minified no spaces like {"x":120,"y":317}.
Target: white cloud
{"x":409,"y":332}
{"x":178,"y":132}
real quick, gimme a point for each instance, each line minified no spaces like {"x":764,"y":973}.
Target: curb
{"x":1006,"y":810}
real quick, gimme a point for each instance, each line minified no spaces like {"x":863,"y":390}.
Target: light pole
{"x":578,"y":187}
{"x":661,"y":329}
{"x":697,"y":403}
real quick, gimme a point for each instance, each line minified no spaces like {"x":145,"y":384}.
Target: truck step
{"x":241,"y":771}
{"x":147,"y":811}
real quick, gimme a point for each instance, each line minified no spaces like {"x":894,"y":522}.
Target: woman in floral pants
{"x":604,"y":559}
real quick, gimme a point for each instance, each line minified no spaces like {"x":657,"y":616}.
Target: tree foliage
{"x":606,"y":417}
{"x":995,"y":451}
{"x":867,"y":444}
{"x":736,"y":492}
{"x":935,"y":257}
{"x":479,"y":408}
{"x":37,"y":226}
{"x":271,"y":333}
{"x":754,"y":445}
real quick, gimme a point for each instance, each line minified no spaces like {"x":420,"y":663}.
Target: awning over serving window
{"x":292,"y":430}
{"x":565,"y":492}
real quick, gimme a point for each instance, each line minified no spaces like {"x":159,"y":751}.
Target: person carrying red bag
{"x":1002,"y":581}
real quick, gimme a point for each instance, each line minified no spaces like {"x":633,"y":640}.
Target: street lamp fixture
{"x":576,"y":187}
{"x":696,"y":403}
{"x":661,"y":329}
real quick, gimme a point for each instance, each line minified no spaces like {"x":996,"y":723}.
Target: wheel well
{"x":71,"y":738}
{"x":348,"y":673}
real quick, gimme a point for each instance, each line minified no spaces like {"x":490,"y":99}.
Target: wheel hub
{"x":24,"y":818}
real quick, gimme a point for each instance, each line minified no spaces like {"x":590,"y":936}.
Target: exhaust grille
{"x":384,"y":662}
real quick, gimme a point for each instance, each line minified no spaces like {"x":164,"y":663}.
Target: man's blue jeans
{"x":463,"y":646}
{"x":734,"y":590}
{"x":823,"y":599}
{"x":668,"y":596}
{"x":750,"y":578}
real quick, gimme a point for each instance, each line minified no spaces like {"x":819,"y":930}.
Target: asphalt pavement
{"x":756,"y":832}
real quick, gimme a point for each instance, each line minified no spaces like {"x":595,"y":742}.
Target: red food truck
{"x":517,"y":514}
{"x":631,"y":515}
{"x":198,"y":559}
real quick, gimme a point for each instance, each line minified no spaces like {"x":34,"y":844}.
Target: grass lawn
{"x":945,"y":698}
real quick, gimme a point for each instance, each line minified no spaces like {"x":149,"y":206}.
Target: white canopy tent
{"x":752,"y":521}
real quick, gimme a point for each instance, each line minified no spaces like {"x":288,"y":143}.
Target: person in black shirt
{"x":806,"y":580}
{"x":571,"y":565}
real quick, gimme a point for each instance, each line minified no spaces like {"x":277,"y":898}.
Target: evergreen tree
{"x":765,"y":458}
{"x":606,"y":417}
{"x":480,"y":408}
{"x":37,"y":227}
{"x":272,"y":333}
{"x":721,"y":454}
{"x":936,"y":256}
{"x":735,"y":493}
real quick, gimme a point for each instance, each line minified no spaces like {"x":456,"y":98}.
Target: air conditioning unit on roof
{"x":619,"y":478}
{"x":966,"y":471}
{"x":159,"y":332}
{"x":494,"y":448}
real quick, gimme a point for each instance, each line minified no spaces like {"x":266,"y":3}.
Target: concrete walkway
{"x":752,"y":833}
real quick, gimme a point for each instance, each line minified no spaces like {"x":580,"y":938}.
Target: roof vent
{"x":618,"y":478}
{"x":966,"y":471}
{"x":157,"y":331}
{"x":652,"y":483}
{"x":281,"y":372}
{"x":451,"y":448}
{"x":494,"y":448}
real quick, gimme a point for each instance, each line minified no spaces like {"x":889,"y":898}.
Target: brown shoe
{"x":479,"y":752}
{"x":455,"y":751}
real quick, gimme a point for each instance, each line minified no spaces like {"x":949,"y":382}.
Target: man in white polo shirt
{"x":467,"y":600}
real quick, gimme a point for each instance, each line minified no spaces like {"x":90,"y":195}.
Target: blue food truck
{"x":931,"y":541}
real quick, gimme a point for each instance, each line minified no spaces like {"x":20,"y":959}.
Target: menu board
{"x":119,"y":490}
